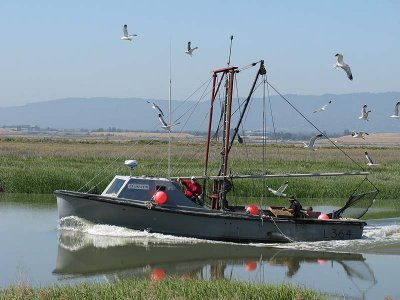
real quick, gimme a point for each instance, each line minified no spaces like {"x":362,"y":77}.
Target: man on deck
{"x":295,"y":207}
{"x":193,"y":188}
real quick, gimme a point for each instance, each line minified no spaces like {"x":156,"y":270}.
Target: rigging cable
{"x":272,"y":119}
{"x":312,"y":124}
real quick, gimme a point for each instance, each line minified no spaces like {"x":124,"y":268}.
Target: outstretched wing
{"x":155,"y":106}
{"x":314,"y":138}
{"x":126,"y":30}
{"x":282,"y":188}
{"x":364,"y":110}
{"x":163,"y":123}
{"x":339,"y":58}
{"x":348,"y":71}
{"x":396,"y":108}
{"x":368,"y":158}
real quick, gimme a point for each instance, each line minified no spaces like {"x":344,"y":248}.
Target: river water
{"x":36,"y":250}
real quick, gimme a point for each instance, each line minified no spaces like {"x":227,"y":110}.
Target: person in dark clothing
{"x":295,"y":207}
{"x":193,"y":188}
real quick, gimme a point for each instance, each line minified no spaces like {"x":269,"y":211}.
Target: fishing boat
{"x":158,"y":204}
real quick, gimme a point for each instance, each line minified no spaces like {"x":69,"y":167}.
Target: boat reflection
{"x":82,"y":255}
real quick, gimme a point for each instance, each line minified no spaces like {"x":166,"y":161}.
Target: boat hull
{"x":202,"y":223}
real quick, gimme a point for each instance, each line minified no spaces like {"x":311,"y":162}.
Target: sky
{"x":61,"y":49}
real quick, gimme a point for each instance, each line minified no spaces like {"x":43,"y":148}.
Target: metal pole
{"x":169,"y":111}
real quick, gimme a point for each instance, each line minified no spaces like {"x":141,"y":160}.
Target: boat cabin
{"x":143,"y":188}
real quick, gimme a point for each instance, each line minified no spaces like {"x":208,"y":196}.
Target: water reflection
{"x":83,"y":255}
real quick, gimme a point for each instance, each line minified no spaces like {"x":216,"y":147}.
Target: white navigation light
{"x":131,"y":164}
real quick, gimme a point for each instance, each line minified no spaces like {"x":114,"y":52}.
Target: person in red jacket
{"x":193,"y":188}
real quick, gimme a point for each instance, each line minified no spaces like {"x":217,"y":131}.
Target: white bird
{"x":396,"y":111}
{"x":370,"y":161}
{"x":156,"y":107}
{"x":127,"y":36}
{"x":310,"y":145}
{"x":359,"y":134}
{"x":323,"y":108}
{"x":364,"y":113}
{"x":341,"y":64}
{"x":279,"y":192}
{"x":164,"y":124}
{"x":190,"y":49}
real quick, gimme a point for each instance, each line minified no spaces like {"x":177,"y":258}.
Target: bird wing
{"x":163,"y":123}
{"x":155,"y":106}
{"x":313,"y":139}
{"x":126,"y":30}
{"x":339,"y":58}
{"x":368,"y":158}
{"x":348,"y":71}
{"x":188,"y":48}
{"x":282,"y":188}
{"x":396,"y":108}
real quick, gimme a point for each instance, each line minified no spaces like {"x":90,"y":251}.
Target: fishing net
{"x":357,"y":205}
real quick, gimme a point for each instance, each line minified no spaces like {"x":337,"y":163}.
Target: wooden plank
{"x":278,"y":212}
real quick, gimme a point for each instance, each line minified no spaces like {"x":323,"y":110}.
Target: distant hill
{"x":136,"y":114}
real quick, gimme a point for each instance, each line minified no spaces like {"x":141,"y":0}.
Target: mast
{"x":220,"y":183}
{"x":169,"y":110}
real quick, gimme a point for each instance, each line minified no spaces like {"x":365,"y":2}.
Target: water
{"x":35,"y":249}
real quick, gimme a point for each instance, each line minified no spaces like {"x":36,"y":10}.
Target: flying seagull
{"x":164,"y":124}
{"x":279,"y":192}
{"x":364,"y":113}
{"x":341,"y":64}
{"x":323,"y":108}
{"x":370,"y":161}
{"x":396,"y":111}
{"x":190,"y":49}
{"x":156,"y":107}
{"x":310,"y":145}
{"x":359,"y":134}
{"x":127,"y":36}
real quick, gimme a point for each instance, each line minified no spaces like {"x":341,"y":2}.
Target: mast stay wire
{"x":312,"y":124}
{"x":150,"y":142}
{"x":272,"y":117}
{"x":245,"y":144}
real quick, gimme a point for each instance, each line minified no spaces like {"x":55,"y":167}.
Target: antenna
{"x":230,"y":52}
{"x":169,"y":110}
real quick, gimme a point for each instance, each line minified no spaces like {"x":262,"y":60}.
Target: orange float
{"x":252,"y":210}
{"x":251,"y":266}
{"x":160,"y":197}
{"x":323,"y":217}
{"x":157,"y":274}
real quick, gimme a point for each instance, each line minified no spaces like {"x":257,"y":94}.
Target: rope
{"x":312,"y":124}
{"x":277,"y":227}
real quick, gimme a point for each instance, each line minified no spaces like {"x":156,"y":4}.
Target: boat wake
{"x":380,"y":236}
{"x":76,"y":233}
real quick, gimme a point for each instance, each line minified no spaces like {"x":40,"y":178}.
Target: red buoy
{"x":160,"y":197}
{"x":251,"y":266}
{"x":158,"y":274}
{"x":323,"y":217}
{"x":252,"y":210}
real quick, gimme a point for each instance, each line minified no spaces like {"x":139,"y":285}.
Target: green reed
{"x":44,"y":166}
{"x":169,"y":288}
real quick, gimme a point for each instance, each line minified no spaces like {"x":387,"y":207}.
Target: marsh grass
{"x":44,"y":166}
{"x":169,"y":288}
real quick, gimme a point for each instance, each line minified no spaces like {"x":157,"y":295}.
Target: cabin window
{"x":160,"y":188}
{"x":116,"y":186}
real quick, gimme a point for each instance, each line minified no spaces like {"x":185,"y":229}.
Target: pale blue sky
{"x":56,"y":49}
